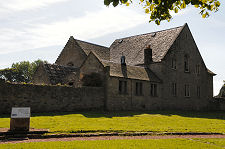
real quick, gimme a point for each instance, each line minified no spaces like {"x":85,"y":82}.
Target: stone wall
{"x":131,"y":101}
{"x":217,"y":104}
{"x":183,"y":46}
{"x":49,"y":98}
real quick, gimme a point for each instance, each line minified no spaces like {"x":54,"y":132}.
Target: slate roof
{"x":101,"y":51}
{"x":131,"y":72}
{"x":133,"y":47}
{"x":57,"y":73}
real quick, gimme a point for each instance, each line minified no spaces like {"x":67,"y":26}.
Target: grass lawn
{"x":127,"y":121}
{"x":124,"y":144}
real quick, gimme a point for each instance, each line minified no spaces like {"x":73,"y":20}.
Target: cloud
{"x":19,"y":5}
{"x":91,"y":25}
{"x":181,"y":12}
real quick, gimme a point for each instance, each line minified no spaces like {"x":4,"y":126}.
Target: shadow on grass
{"x":5,"y":116}
{"x":98,"y":114}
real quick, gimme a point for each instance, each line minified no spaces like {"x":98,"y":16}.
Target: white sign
{"x":21,"y":112}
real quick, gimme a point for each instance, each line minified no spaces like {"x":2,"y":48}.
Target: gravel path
{"x":111,"y":138}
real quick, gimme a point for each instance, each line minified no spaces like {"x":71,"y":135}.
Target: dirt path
{"x":111,"y":138}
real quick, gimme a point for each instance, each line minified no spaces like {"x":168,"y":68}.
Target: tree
{"x":222,"y":91}
{"x":21,"y":71}
{"x":160,"y":10}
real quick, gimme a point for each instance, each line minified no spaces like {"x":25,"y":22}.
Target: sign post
{"x":20,"y":119}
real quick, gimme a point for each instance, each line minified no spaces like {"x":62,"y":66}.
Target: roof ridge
{"x":91,"y":43}
{"x":54,"y":64}
{"x":120,"y":63}
{"x":150,"y":32}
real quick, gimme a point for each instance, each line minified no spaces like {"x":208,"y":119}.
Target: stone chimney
{"x":123,"y":59}
{"x":147,"y":55}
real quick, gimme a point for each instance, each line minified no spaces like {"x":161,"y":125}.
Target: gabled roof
{"x":131,"y":72}
{"x":210,"y":72}
{"x":57,"y":73}
{"x":71,"y":48}
{"x":101,"y":51}
{"x":133,"y":47}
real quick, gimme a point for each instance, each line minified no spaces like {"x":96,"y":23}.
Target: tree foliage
{"x":20,"y":71}
{"x":222,"y":91}
{"x":160,"y":10}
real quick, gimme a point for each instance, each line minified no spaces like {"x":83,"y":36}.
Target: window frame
{"x":187,"y":92}
{"x":139,"y":89}
{"x":153,"y":90}
{"x":174,"y":63}
{"x":122,"y":87}
{"x":186,"y":63}
{"x":174,"y":89}
{"x":197,"y":69}
{"x":198,"y":91}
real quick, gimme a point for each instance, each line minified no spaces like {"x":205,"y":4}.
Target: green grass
{"x":121,"y":144}
{"x":214,"y":141}
{"x":127,"y":121}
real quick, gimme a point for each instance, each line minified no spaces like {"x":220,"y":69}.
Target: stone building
{"x":158,"y":70}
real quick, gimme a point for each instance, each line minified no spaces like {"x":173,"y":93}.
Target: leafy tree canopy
{"x":21,"y":71}
{"x":160,"y":10}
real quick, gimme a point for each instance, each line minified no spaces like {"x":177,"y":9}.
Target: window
{"x":70,"y":83}
{"x":186,"y":90}
{"x":122,"y":87}
{"x":197,"y":69}
{"x":186,"y":63}
{"x":70,"y":64}
{"x":198,"y":91}
{"x":154,"y":90}
{"x":173,"y":64}
{"x":139,"y":88}
{"x":174,"y":89}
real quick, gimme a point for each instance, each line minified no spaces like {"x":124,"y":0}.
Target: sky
{"x":39,"y":29}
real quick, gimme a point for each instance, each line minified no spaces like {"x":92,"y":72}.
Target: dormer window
{"x":186,"y":63}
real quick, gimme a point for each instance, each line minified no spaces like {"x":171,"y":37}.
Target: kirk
{"x":161,"y":70}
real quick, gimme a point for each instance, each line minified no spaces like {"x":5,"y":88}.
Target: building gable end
{"x":72,"y":54}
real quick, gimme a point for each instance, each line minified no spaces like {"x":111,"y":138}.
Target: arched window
{"x":186,"y":63}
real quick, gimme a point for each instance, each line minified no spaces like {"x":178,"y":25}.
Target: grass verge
{"x":127,"y":122}
{"x":121,"y":144}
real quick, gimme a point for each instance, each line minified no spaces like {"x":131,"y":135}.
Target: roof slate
{"x":57,"y":73}
{"x":131,"y":72}
{"x":133,"y":47}
{"x":101,"y":51}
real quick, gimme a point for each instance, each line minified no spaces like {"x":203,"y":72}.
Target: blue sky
{"x":32,"y":29}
